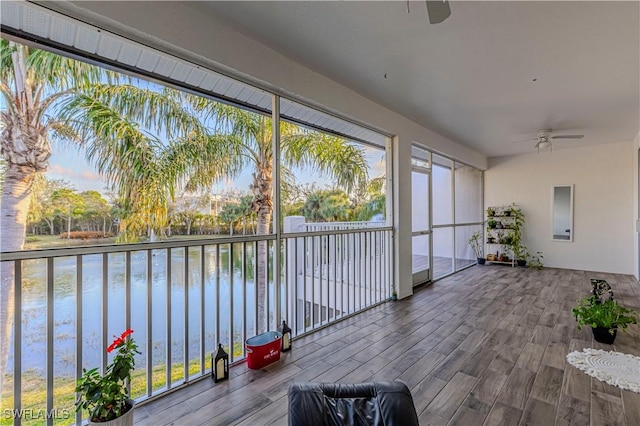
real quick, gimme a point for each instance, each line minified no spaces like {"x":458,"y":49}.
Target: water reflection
{"x":218,"y":270}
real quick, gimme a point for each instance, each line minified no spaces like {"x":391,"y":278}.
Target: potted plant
{"x":106,"y":396}
{"x":521,"y":254}
{"x":492,"y":223}
{"x":490,"y":212}
{"x":475,"y":241}
{"x":604,"y":318}
{"x":535,"y":261}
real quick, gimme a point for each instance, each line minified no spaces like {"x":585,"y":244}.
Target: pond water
{"x":34,"y":305}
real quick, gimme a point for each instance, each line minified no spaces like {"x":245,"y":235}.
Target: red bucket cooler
{"x":263,"y":349}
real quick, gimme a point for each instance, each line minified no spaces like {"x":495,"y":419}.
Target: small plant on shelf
{"x":491,"y":212}
{"x":492,"y":223}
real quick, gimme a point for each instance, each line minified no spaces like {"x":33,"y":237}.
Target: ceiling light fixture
{"x":544,"y":144}
{"x":438,"y":10}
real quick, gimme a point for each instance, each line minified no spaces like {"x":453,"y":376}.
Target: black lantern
{"x":220,"y":365}
{"x":286,"y":336}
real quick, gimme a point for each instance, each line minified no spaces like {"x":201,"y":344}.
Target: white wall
{"x":603,"y":203}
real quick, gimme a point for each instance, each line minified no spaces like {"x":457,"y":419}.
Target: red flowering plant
{"x":107,"y":396}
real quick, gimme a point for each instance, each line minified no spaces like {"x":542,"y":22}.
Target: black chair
{"x":378,"y":403}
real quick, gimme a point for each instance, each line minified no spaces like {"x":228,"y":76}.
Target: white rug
{"x":615,"y":368}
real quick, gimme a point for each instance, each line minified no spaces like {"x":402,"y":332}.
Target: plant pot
{"x":124,"y":420}
{"x":481,"y":260}
{"x":521,"y":262}
{"x":602,"y":335}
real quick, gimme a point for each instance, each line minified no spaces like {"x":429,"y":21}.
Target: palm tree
{"x":143,"y":140}
{"x":248,"y":143}
{"x":47,"y":98}
{"x":327,"y":205}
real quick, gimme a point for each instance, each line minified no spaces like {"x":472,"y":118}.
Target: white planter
{"x":124,"y":420}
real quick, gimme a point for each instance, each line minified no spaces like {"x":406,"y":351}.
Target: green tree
{"x":327,"y":205}
{"x":187,"y":208}
{"x":96,"y":211}
{"x":370,"y":200}
{"x":248,"y":141}
{"x":50,"y":98}
{"x":68,"y":205}
{"x":230,"y":215}
{"x":42,"y":207}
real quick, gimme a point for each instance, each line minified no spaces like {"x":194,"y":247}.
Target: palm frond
{"x":6,"y":62}
{"x":205,"y":159}
{"x":229,"y":119}
{"x":159,"y":111}
{"x":328,"y":155}
{"x":60,"y":72}
{"x":127,"y":156}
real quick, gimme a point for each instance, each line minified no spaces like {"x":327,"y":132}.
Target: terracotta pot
{"x":602,"y":335}
{"x":124,"y":420}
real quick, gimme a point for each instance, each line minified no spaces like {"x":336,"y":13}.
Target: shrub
{"x":86,"y":235}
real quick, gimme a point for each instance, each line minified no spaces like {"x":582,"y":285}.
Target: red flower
{"x":111,"y":347}
{"x":119,"y":340}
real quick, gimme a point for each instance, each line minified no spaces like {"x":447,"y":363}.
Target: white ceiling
{"x":469,"y":78}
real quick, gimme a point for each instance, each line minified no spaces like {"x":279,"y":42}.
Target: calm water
{"x":64,"y":303}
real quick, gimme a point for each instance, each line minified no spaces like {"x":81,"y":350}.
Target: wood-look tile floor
{"x":486,"y":346}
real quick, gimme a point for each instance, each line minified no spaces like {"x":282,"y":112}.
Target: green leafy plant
{"x":490,"y":212}
{"x":536,"y":261}
{"x":491,"y":223}
{"x":520,"y":252}
{"x":475,"y":241}
{"x":508,"y":241}
{"x":607,"y":314}
{"x":106,"y":397}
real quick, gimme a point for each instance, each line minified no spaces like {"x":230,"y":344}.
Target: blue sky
{"x":68,"y":163}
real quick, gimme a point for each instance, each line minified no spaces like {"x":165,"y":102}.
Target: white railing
{"x":181,"y":298}
{"x":338,"y":268}
{"x":332,"y":226}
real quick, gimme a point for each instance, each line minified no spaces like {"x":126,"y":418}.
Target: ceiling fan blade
{"x":438,"y":10}
{"x":526,"y":140}
{"x":567,"y":137}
